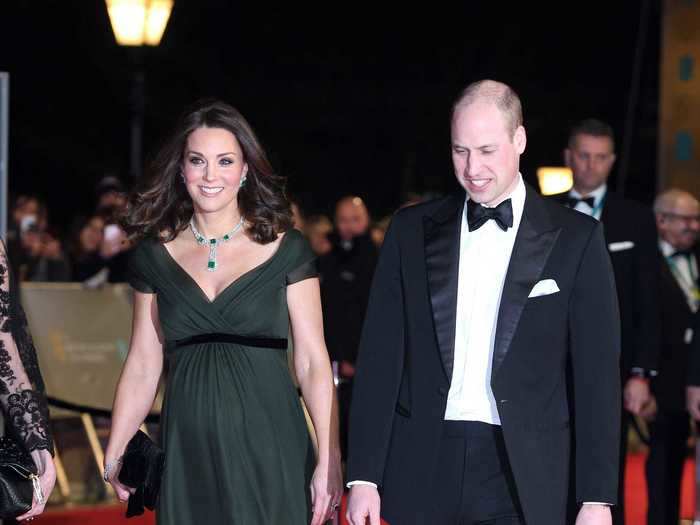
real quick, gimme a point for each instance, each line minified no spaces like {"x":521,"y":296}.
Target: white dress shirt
{"x":685,"y":271}
{"x":483,"y":263}
{"x":484,"y":255}
{"x":598,"y":195}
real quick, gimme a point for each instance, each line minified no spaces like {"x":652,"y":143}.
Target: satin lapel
{"x":533,"y":244}
{"x":442,"y":238}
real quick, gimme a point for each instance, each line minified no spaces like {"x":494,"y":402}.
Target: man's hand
{"x":363,"y":505}
{"x":650,"y":409}
{"x":692,"y":396}
{"x":591,"y":514}
{"x":636,"y":394}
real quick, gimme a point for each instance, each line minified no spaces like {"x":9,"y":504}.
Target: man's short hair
{"x":502,"y":95}
{"x":593,"y":127}
{"x":667,"y":200}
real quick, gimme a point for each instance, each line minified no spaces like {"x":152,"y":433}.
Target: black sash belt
{"x":260,"y":342}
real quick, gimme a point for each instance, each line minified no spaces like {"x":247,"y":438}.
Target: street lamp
{"x":138,"y":23}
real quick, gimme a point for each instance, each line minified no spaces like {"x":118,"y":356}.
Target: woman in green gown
{"x":220,"y":277}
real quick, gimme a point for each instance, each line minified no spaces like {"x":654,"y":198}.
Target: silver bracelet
{"x":110,"y":466}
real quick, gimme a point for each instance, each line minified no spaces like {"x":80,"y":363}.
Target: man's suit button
{"x":442,"y":390}
{"x":502,"y":401}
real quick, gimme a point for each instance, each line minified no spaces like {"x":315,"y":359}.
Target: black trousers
{"x":668,"y":436}
{"x":473,"y":483}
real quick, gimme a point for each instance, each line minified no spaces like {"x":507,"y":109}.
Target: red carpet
{"x":636,"y":491}
{"x":98,"y":515}
{"x":636,"y":500}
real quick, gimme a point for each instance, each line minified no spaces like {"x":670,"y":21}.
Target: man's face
{"x":590,"y":158}
{"x":485,"y":156}
{"x":351,"y":219}
{"x":680,"y":225}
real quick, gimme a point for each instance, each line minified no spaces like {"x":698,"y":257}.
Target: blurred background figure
{"x":99,"y":250}
{"x":86,"y":239}
{"x":44,"y":259}
{"x":317,"y":229}
{"x":36,"y":251}
{"x":27,"y":211}
{"x":678,"y":223}
{"x":110,"y":193}
{"x":378,"y":230}
{"x":297,"y":215}
{"x":630,"y":234}
{"x":346,"y":276}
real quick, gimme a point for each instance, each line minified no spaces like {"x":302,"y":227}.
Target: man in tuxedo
{"x":630,"y":235}
{"x":479,"y":301}
{"x":678,"y":222}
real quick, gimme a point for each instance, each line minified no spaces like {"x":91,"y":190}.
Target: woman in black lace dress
{"x":22,"y":388}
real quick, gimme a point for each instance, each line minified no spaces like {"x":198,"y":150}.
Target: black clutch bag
{"x":142,"y":469}
{"x":18,"y":479}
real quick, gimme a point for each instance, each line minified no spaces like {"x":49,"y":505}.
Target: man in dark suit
{"x":630,"y":235}
{"x":678,"y":222}
{"x":346,"y":275}
{"x":460,"y":412}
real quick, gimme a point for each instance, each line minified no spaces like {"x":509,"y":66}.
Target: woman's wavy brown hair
{"x":160,"y":205}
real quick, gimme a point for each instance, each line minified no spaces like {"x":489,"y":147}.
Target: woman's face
{"x":213,"y":168}
{"x":318,"y":238}
{"x":91,"y":235}
{"x":26,"y":209}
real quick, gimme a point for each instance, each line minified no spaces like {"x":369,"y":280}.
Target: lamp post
{"x":138,"y":23}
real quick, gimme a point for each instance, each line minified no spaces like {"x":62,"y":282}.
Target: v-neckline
{"x":230,"y":285}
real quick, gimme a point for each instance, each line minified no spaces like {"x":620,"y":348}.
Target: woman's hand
{"x":112,"y":468}
{"x":326,"y":491}
{"x":47,"y":479}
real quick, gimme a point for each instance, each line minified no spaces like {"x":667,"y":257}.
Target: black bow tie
{"x":477,"y":215}
{"x":573,"y":201}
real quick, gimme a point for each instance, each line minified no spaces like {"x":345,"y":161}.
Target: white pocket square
{"x":544,"y":287}
{"x":620,"y":246}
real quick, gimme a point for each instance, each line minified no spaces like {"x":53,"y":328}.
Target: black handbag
{"x":18,"y":479}
{"x":142,"y":469}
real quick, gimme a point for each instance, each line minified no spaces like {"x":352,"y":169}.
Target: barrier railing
{"x":82,"y":340}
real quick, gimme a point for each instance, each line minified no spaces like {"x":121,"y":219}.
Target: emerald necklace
{"x":213,"y":243}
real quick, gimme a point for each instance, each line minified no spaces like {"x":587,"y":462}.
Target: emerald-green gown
{"x":236,"y":443}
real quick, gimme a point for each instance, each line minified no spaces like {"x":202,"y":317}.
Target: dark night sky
{"x":346,"y":98}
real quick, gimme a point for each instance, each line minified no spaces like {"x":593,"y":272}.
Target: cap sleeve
{"x":303,"y":263}
{"x":137,"y":268}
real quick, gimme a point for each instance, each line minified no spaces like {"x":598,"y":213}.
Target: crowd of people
{"x":94,"y":250}
{"x":497,"y":323}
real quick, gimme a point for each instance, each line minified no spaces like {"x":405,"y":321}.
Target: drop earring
{"x":244,"y":178}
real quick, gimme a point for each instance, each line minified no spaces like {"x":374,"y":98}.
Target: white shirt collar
{"x":597,"y":194}
{"x":666,"y":248}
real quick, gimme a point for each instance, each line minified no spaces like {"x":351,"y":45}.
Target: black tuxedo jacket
{"x":407,"y":352}
{"x":631,"y":238}
{"x":676,"y":319}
